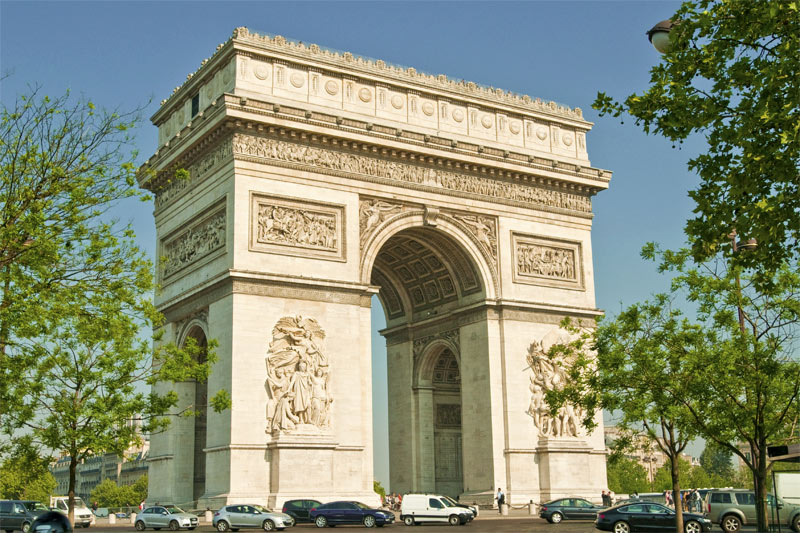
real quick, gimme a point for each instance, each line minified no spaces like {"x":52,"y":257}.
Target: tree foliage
{"x":626,"y":476}
{"x":730,"y":76}
{"x":716,"y":460}
{"x":25,"y":475}
{"x":76,"y":288}
{"x":109,"y":494}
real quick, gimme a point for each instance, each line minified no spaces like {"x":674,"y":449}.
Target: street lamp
{"x":738,"y":246}
{"x":658,"y":35}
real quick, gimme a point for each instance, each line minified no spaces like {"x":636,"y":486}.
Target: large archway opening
{"x":426,"y":277}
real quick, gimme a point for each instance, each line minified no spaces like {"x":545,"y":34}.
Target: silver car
{"x":234,"y":517}
{"x":165,"y":516}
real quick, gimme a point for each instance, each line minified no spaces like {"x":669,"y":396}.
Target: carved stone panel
{"x":549,"y":374}
{"x":296,"y":227}
{"x":547,"y":262}
{"x":192,"y":247}
{"x":448,"y":415}
{"x":298,"y":377}
{"x":484,"y":229}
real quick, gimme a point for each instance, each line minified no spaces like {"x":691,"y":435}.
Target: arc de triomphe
{"x":318,"y":179}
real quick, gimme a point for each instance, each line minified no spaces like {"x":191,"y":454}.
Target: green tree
{"x":25,"y":475}
{"x":378,"y":489}
{"x":139,"y":489}
{"x":730,"y":76}
{"x":634,"y":365}
{"x":626,"y":475}
{"x":717,"y":460}
{"x":106,"y":494}
{"x":662,"y":480}
{"x":76,"y":289}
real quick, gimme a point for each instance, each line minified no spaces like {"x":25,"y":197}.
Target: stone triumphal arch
{"x":318,"y":179}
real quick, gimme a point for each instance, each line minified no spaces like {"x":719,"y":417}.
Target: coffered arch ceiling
{"x":421,"y":269}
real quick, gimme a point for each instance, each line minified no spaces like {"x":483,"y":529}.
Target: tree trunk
{"x":73,"y":469}
{"x":676,"y":492}
{"x":760,"y":486}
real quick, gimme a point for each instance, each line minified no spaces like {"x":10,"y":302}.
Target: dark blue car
{"x":331,"y":514}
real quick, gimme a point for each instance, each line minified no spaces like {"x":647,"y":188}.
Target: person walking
{"x":606,"y":499}
{"x":501,"y":500}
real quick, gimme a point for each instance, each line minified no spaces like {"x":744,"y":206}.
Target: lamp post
{"x":751,"y":244}
{"x":658,"y":35}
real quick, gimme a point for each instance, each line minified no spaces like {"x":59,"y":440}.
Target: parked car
{"x":569,"y":508}
{"x":335,"y":513}
{"x":421,"y":508}
{"x":234,"y":517}
{"x":300,"y":509}
{"x":170,"y":516}
{"x":19,"y":514}
{"x":83,"y":517}
{"x":647,"y":516}
{"x":733,"y":508}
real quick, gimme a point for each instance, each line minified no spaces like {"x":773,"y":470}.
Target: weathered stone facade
{"x":318,"y":179}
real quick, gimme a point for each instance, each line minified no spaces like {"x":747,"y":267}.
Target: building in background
{"x":646,"y":451}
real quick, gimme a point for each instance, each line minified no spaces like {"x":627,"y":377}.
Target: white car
{"x":421,"y":508}
{"x":165,"y":516}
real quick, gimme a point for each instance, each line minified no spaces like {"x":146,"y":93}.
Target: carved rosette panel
{"x":295,"y":227}
{"x":549,"y":374}
{"x":548,"y":262}
{"x":298,"y":377}
{"x":416,"y":175}
{"x":484,"y":229}
{"x":191,"y":247}
{"x":372,"y":213}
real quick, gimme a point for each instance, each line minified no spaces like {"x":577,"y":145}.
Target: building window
{"x":195,"y":104}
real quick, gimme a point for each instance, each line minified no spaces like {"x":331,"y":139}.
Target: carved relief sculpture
{"x":548,"y":374}
{"x":483,"y":228}
{"x":547,"y":261}
{"x":264,"y":147}
{"x":194,"y":244}
{"x":371,"y":213}
{"x":298,"y":377}
{"x":294,"y":227}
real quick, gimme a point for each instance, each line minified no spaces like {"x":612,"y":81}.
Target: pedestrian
{"x":606,"y":499}
{"x":668,"y":498}
{"x":611,"y":497}
{"x":141,"y":505}
{"x":501,"y":500}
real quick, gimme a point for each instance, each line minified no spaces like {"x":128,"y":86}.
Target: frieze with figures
{"x":296,"y":227}
{"x":549,"y":374}
{"x":195,"y":244}
{"x":197,"y":172}
{"x":484,"y":229}
{"x":313,"y":156}
{"x":549,"y":262}
{"x":448,"y":415}
{"x":298,"y":377}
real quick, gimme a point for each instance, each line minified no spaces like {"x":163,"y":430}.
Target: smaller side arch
{"x":425,"y":361}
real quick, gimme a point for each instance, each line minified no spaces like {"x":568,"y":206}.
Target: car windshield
{"x":361,"y":505}
{"x":173,"y":510}
{"x":36,"y":506}
{"x":448,"y":501}
{"x":79,"y":503}
{"x":262,"y":509}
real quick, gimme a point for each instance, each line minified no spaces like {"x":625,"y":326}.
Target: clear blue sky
{"x":131,"y":54}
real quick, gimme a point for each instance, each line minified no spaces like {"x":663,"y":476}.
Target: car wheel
{"x":369,"y":521}
{"x":622,"y":527}
{"x":140,"y":525}
{"x":222,"y":525}
{"x":26,"y":526}
{"x":454,"y":520}
{"x":174,"y":525}
{"x":268,"y":525}
{"x":321,"y":521}
{"x":796,"y":523}
{"x":556,"y":518}
{"x":692,"y":526}
{"x":409,"y":520}
{"x":731,"y":523}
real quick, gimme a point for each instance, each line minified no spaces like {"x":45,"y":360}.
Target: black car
{"x":569,"y":508}
{"x":334,"y":513}
{"x":300,"y":509}
{"x":646,"y":516}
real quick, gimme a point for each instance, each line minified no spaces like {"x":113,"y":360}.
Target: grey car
{"x":19,"y":514}
{"x":165,"y":516}
{"x":234,"y":517}
{"x":732,"y":508}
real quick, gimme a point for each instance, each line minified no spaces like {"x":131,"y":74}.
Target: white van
{"x":83,"y":516}
{"x":420,"y":508}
